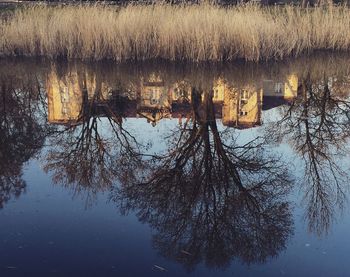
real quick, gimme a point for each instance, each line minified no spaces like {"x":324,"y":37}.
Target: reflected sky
{"x":177,"y":169}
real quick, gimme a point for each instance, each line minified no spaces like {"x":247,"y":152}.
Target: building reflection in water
{"x":65,"y":98}
{"x":239,"y":107}
{"x":154,"y":100}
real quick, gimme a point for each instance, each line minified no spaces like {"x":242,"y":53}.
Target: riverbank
{"x":179,"y":32}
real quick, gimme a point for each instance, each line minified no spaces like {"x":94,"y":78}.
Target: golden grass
{"x":182,"y":32}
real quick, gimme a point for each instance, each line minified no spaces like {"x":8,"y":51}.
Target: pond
{"x":173,"y":169}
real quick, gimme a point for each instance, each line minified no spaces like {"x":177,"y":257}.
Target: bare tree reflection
{"x":21,"y":133}
{"x":210,"y":199}
{"x":317,"y":126}
{"x":88,"y":158}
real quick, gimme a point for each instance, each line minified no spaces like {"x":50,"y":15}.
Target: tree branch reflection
{"x":85,"y":156}
{"x":317,"y":126}
{"x":22,"y":133}
{"x":209,"y":198}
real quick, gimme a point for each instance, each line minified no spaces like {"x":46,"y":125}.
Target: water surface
{"x":159,"y":169}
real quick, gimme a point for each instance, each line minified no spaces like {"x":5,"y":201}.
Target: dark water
{"x":159,"y":169}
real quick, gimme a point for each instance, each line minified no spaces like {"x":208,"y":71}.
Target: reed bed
{"x":203,"y":32}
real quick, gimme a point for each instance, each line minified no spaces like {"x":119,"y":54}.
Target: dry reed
{"x":175,"y":32}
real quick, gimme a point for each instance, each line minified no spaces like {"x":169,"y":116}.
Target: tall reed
{"x":176,"y":32}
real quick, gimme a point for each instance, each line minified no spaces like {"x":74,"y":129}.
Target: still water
{"x":159,"y":169}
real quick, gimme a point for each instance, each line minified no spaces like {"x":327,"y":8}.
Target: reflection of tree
{"x":86,"y":156}
{"x":317,"y":125}
{"x":211,"y":200}
{"x":21,"y":135}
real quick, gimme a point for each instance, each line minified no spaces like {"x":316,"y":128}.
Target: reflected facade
{"x":155,"y":99}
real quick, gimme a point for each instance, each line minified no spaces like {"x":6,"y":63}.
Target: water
{"x":159,"y":169}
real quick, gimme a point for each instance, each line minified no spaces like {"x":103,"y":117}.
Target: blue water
{"x":118,"y":225}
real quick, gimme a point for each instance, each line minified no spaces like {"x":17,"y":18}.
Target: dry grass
{"x":186,"y":32}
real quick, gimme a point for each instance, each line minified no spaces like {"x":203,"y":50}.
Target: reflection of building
{"x":278,"y":93}
{"x":286,"y":89}
{"x":219,"y":90}
{"x":181,"y":92}
{"x":242,"y":108}
{"x":66,"y":95}
{"x":64,"y":98}
{"x":98,"y":90}
{"x":154,"y":100}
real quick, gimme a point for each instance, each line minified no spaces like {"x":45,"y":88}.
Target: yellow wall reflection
{"x":65,"y":98}
{"x":239,"y":107}
{"x":154,"y":100}
{"x":242,"y":108}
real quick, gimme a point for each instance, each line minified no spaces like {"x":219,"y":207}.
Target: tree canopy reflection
{"x":210,"y":199}
{"x":317,"y":126}
{"x":84,"y":156}
{"x":22,"y":132}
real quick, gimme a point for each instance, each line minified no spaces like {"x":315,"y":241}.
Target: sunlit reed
{"x":175,"y":32}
